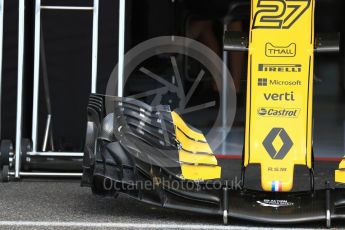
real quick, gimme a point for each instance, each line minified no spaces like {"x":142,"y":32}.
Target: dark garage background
{"x":67,"y":38}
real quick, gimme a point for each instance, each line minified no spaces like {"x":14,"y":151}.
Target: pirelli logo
{"x":280,"y":68}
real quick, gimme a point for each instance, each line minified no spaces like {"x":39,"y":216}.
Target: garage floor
{"x":61,"y":204}
{"x":65,"y":205}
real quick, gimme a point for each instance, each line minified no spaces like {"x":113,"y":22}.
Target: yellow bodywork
{"x":195,"y":155}
{"x":340,"y":173}
{"x":280,"y":90}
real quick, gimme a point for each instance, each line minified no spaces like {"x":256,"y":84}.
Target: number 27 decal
{"x":279,"y":14}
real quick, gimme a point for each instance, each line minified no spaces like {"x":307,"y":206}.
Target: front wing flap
{"x":111,"y":168}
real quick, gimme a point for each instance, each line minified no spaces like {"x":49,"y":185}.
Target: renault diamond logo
{"x":277,"y":143}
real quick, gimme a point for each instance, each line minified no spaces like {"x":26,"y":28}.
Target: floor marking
{"x":120,"y":225}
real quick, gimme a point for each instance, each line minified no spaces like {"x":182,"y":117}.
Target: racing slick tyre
{"x":6,"y":148}
{"x":4,"y":176}
{"x":25,"y":148}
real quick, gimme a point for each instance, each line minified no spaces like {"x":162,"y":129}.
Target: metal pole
{"x":36,"y":74}
{"x":94,"y":46}
{"x":46,"y":133}
{"x":224,"y":98}
{"x":47,"y":95}
{"x":86,"y":8}
{"x":1,"y":46}
{"x":55,"y":154}
{"x":47,"y":174}
{"x":122,"y":14}
{"x":20,"y":87}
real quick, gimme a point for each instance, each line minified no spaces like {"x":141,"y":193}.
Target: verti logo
{"x":280,"y":96}
{"x":280,"y":51}
{"x":277,"y":143}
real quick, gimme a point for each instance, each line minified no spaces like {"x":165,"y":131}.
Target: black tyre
{"x":6,"y":147}
{"x":4,"y":176}
{"x":26,"y":147}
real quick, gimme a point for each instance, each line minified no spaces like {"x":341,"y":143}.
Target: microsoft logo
{"x":265,"y":82}
{"x":262,"y":82}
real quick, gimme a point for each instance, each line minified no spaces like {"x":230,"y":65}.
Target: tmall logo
{"x":280,"y":68}
{"x":280,"y":51}
{"x":277,"y":143}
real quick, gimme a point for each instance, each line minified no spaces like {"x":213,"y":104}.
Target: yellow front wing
{"x":195,"y":155}
{"x":340,"y":173}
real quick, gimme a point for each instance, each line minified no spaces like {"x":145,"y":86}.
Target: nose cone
{"x":277,"y":179}
{"x":277,"y":186}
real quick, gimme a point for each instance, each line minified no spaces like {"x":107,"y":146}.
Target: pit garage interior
{"x":40,"y":201}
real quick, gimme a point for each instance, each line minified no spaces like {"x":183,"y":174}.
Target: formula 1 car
{"x":131,"y":144}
